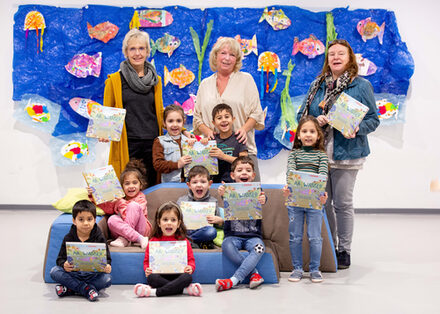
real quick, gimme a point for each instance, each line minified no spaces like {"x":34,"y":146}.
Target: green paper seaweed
{"x":331,"y":31}
{"x":201,"y":53}
{"x":288,"y":113}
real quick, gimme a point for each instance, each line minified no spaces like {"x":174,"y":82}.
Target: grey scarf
{"x":139,"y":84}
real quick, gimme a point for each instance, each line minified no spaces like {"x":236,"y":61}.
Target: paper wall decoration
{"x":106,"y":122}
{"x":104,"y":183}
{"x":34,"y":21}
{"x":103,"y":31}
{"x":268,"y":61}
{"x":188,"y":105}
{"x":276,"y":18}
{"x":179,"y":76}
{"x":200,"y":156}
{"x":248,"y":45}
{"x":75,"y":150}
{"x":241,"y":201}
{"x":366,"y":67}
{"x":151,"y":18}
{"x":83,"y":65}
{"x":311,"y":47}
{"x":387,"y":110}
{"x":331,"y":31}
{"x":368,"y":30}
{"x":87,"y":256}
{"x":346,"y":114}
{"x":201,"y":52}
{"x":72,"y":149}
{"x":82,"y":106}
{"x":305,"y":189}
{"x":194,"y":214}
{"x":166,"y":44}
{"x":168,"y":257}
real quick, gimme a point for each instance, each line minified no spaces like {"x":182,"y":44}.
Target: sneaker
{"x":207,"y":245}
{"x":90,"y":293}
{"x":63,"y":291}
{"x":223,"y":284}
{"x":316,"y":276}
{"x":142,"y":290}
{"x":119,"y":242}
{"x":255,"y":280}
{"x":144,"y":243}
{"x":343,"y":260}
{"x":194,"y":289}
{"x":296,"y":275}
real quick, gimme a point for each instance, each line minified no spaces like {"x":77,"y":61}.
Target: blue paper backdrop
{"x":66,"y":35}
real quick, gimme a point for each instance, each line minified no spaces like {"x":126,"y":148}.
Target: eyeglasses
{"x":134,"y":50}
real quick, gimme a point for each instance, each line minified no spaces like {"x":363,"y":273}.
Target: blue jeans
{"x":204,"y":234}
{"x":78,"y":280}
{"x":231,"y":248}
{"x":313,"y":218}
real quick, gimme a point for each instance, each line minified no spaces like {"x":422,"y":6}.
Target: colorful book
{"x":87,"y":256}
{"x":168,"y":257}
{"x":200,"y":156}
{"x":104,"y":183}
{"x":194,"y":214}
{"x":241,"y":201}
{"x":106,"y":122}
{"x":346,"y":114}
{"x":305,"y":189}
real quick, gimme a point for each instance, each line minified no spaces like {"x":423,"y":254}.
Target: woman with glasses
{"x":346,"y":153}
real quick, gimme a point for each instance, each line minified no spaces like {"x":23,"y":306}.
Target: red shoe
{"x":255,"y":281}
{"x":223,"y":284}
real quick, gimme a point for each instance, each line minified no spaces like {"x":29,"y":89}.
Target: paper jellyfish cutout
{"x":35,"y":21}
{"x":268,"y":61}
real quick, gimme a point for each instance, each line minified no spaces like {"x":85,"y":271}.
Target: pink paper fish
{"x":311,"y":47}
{"x":276,"y":18}
{"x":155,"y":18}
{"x":82,"y":106}
{"x":83,"y":65}
{"x":248,"y":45}
{"x":188,"y":105}
{"x":103,"y":31}
{"x":180,"y":76}
{"x":368,"y":30}
{"x":366,"y":67}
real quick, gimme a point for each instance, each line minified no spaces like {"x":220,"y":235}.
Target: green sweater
{"x":308,"y":159}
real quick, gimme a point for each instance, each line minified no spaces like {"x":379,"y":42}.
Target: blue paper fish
{"x":276,"y":18}
{"x":166,"y":44}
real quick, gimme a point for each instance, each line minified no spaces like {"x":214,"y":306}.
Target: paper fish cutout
{"x":368,"y":30}
{"x":83,"y":65}
{"x":366,"y":67}
{"x":75,"y":150}
{"x":248,"y":45}
{"x":311,"y":47}
{"x":166,"y":44}
{"x":386,"y":109}
{"x":39,"y":112}
{"x":103,"y":31}
{"x":180,"y":76}
{"x":34,"y":21}
{"x":276,"y":18}
{"x":268,"y":61}
{"x":82,"y":106}
{"x":151,"y":18}
{"x":188,"y":105}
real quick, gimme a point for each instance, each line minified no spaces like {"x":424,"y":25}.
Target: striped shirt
{"x":308,"y":159}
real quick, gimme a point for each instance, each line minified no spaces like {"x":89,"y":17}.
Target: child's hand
{"x":188,"y":134}
{"x":323,"y":198}
{"x":188,"y":269}
{"x":216,"y":152}
{"x":262,"y":198}
{"x":68,"y":267}
{"x":103,"y":140}
{"x":184,"y":160}
{"x":191,"y":141}
{"x":204,"y":141}
{"x":148,"y":271}
{"x":214,"y":220}
{"x":286,"y":191}
{"x":221,"y":190}
{"x":108,"y":269}
{"x":89,"y":191}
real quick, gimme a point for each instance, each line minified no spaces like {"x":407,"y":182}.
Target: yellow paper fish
{"x":180,"y":76}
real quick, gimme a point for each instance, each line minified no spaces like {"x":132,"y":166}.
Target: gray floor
{"x":396,"y":269}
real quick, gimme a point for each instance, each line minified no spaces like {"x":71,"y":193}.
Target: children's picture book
{"x":104,"y":183}
{"x":346,"y":114}
{"x":87,"y":256}
{"x":241,"y":201}
{"x":168,"y":257}
{"x":305,"y":189}
{"x":200,"y":156}
{"x":106,"y":122}
{"x":194,"y":214}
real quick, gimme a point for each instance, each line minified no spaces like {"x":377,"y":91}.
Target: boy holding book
{"x":84,"y":229}
{"x":199,"y":182}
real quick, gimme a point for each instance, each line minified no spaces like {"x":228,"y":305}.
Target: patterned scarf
{"x":139,"y":84}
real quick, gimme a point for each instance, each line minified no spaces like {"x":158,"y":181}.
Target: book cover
{"x":194,"y":214}
{"x":241,"y":201}
{"x":346,"y":114}
{"x":87,"y":256}
{"x":104,"y":183}
{"x":200,"y":156}
{"x":106,"y":122}
{"x":168,"y":257}
{"x":305,"y":189}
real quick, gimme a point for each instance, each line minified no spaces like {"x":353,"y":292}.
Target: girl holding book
{"x":307,"y":155}
{"x":169,"y":226}
{"x":346,"y":154}
{"x":129,"y":216}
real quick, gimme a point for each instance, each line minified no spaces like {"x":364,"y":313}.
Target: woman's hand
{"x":286,"y":191}
{"x":353,"y":135}
{"x":322,"y":120}
{"x":184,"y":160}
{"x":241,"y":135}
{"x":188,"y":269}
{"x":148,"y":271}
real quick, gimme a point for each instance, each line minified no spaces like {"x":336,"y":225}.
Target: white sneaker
{"x":144,"y":243}
{"x":119,"y":242}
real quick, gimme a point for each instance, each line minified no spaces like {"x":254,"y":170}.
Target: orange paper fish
{"x":368,"y":30}
{"x":103,"y":31}
{"x":180,"y":76}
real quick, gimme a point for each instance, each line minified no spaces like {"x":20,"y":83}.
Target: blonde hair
{"x":135,"y":33}
{"x":232,"y":44}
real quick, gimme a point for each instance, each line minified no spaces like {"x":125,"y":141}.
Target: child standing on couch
{"x":242,"y":234}
{"x":84,"y":229}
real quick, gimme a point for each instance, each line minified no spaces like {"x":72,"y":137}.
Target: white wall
{"x":397,"y":174}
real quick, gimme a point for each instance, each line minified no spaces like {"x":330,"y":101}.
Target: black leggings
{"x":143,"y":150}
{"x":169,"y":284}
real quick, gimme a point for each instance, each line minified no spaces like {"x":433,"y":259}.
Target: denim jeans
{"x":313,"y":218}
{"x":231,"y":248}
{"x":78,"y":280}
{"x":204,"y":234}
